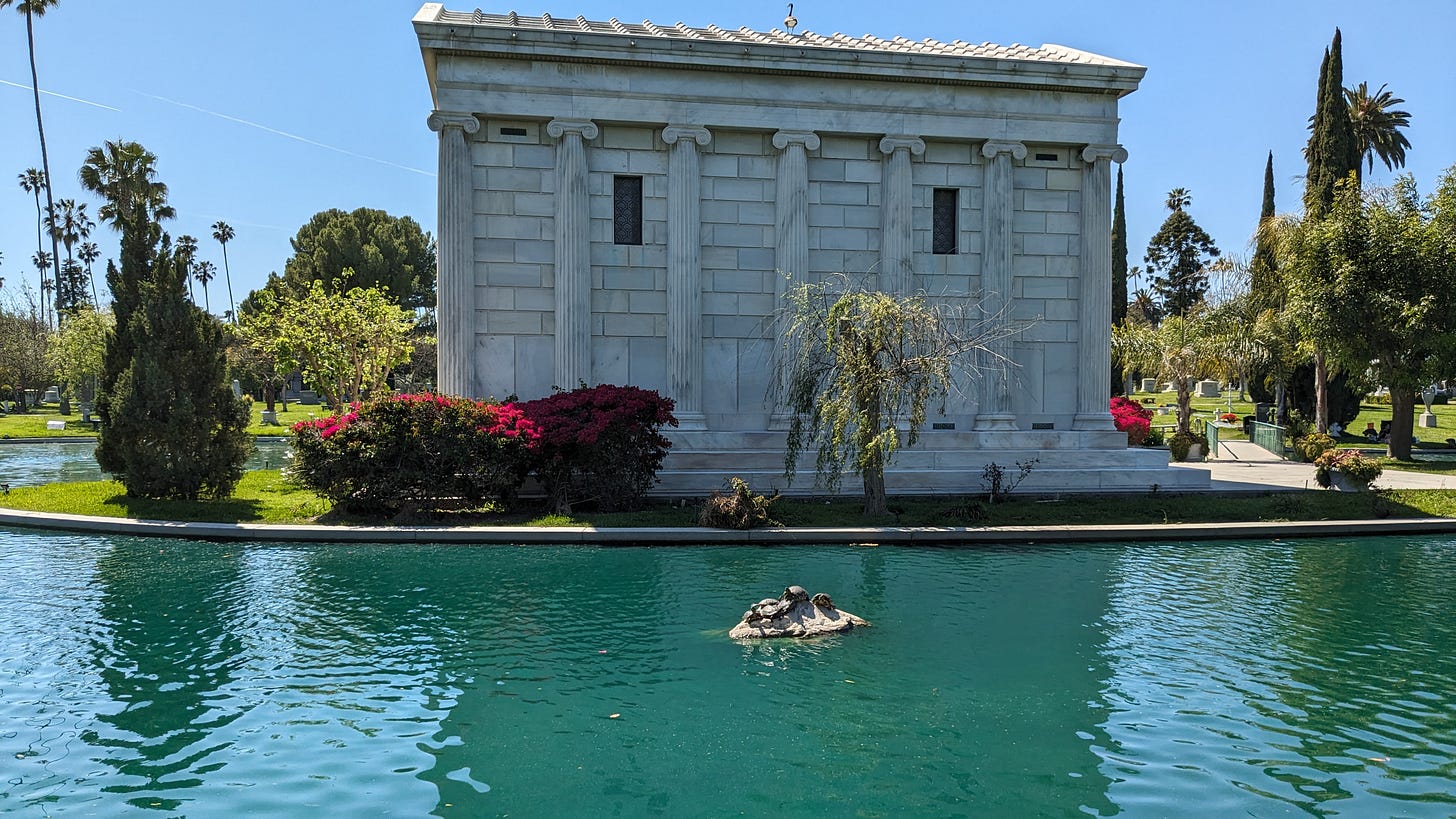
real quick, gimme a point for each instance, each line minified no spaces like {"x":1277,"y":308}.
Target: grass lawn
{"x":264,"y":497}
{"x":33,"y":424}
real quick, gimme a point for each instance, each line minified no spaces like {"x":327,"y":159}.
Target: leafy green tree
{"x":224,"y":233}
{"x":79,"y":350}
{"x":170,"y":426}
{"x":364,"y":248}
{"x":865,"y":365}
{"x":24,"y":340}
{"x":33,"y":9}
{"x":1333,"y":151}
{"x":346,"y":344}
{"x":1377,"y":125}
{"x":1176,"y":258}
{"x":1388,"y":303}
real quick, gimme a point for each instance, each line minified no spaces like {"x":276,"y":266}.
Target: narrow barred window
{"x":943,"y":221}
{"x":627,"y":210}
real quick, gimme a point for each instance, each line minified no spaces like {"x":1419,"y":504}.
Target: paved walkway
{"x":1245,"y":467}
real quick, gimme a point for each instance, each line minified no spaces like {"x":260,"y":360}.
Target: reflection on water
{"x":143,"y":675}
{"x":34,"y":464}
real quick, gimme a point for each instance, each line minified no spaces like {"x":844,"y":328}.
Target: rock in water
{"x":794,"y":614}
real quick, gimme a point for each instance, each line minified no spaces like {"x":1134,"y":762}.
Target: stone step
{"x":716,"y":440}
{"x":941,"y":482}
{"x":919,"y":459}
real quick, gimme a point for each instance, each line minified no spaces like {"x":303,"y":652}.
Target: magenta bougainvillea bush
{"x":428,"y":452}
{"x":601,"y":444}
{"x":415,"y":452}
{"x":1133,"y":418}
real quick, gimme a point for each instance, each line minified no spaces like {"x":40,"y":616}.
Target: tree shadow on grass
{"x":225,"y":510}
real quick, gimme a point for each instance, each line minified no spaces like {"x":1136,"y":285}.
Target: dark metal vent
{"x":943,"y":221}
{"x":627,"y":210}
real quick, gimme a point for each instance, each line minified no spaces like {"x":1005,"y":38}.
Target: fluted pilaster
{"x":455,"y":254}
{"x":995,"y":394}
{"x":1094,"y":300}
{"x":897,"y":274}
{"x":791,"y":237}
{"x":685,"y":272}
{"x":573,"y":253}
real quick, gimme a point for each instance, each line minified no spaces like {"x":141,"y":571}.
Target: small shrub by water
{"x":741,"y":508}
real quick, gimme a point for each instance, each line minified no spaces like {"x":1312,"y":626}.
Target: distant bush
{"x":1133,"y":418}
{"x":415,"y":452}
{"x":600,"y":444}
{"x":741,"y":508}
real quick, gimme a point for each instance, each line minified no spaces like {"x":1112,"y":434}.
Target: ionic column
{"x":791,"y":238}
{"x":573,"y":253}
{"x":1094,"y":297}
{"x":996,"y":247}
{"x":455,"y":254}
{"x":897,"y":274}
{"x":685,"y":273}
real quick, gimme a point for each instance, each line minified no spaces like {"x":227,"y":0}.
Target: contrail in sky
{"x":285,"y":134}
{"x":62,"y":96}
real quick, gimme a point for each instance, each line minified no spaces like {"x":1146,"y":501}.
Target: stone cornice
{"x":993,"y":147}
{"x":696,"y":133}
{"x":914,"y":144}
{"x":809,"y":139}
{"x":557,"y":128}
{"x":440,"y":120}
{"x":1116,"y":153}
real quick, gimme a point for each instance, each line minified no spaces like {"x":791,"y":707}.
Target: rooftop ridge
{"x":1047,"y":53}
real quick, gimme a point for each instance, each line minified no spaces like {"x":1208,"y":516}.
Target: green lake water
{"x":161,"y":678}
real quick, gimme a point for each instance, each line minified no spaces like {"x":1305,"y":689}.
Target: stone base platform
{"x":941,"y":462}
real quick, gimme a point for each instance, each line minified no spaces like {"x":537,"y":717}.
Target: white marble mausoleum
{"x":627,"y":202}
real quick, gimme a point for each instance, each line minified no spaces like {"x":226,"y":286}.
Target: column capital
{"x":809,"y":139}
{"x":992,"y":148}
{"x":894,"y":142}
{"x":695,"y":133}
{"x":557,"y":128}
{"x":440,"y":120}
{"x":1116,"y":153}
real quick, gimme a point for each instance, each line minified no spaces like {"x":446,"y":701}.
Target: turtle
{"x":795,"y":594}
{"x":822,"y":601}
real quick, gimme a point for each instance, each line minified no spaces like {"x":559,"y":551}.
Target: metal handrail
{"x":1268,"y":436}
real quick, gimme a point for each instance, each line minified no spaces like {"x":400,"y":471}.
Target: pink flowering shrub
{"x":415,"y":452}
{"x":1133,"y":418}
{"x":600,"y":444}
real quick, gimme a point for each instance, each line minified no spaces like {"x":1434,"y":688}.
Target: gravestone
{"x":1428,"y":418}
{"x":52,"y":396}
{"x":1208,"y":389}
{"x":1150,"y":385}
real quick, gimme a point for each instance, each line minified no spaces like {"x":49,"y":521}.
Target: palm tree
{"x":89,"y":253}
{"x":42,"y":262}
{"x":1377,"y":125}
{"x":33,"y":9}
{"x":33,"y":181}
{"x":205,"y":272}
{"x":124,"y":174}
{"x":68,"y":224}
{"x":1178,"y":199}
{"x":186,"y":253}
{"x":223,"y":233}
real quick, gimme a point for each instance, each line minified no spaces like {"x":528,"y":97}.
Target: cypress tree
{"x":170,"y":426}
{"x":1263,"y":269}
{"x":1333,"y":152}
{"x":1119,"y":276}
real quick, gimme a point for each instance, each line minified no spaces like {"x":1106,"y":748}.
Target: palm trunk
{"x":45,"y":162}
{"x":40,"y":248}
{"x":1402,"y":423}
{"x":206,"y":302}
{"x":226,"y":271}
{"x":1321,"y":394}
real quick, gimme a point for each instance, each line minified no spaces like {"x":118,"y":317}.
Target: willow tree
{"x":865,"y":365}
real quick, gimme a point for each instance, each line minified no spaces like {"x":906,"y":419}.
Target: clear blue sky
{"x":1227,"y":82}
